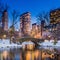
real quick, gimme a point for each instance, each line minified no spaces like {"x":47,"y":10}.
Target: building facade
{"x":25,"y":26}
{"x":35,"y":31}
{"x":55,"y":16}
{"x":55,"y":22}
{"x":5,"y":21}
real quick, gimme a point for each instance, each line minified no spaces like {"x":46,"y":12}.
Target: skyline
{"x":33,"y":6}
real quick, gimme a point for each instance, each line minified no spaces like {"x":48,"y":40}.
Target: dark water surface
{"x":37,"y":54}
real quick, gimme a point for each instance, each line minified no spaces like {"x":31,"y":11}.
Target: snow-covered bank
{"x":50,"y":44}
{"x":6,"y":43}
{"x":9,"y":45}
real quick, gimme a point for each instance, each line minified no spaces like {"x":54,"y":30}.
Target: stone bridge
{"x":34,"y":40}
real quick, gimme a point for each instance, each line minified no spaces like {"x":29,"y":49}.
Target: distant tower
{"x":25,"y":22}
{"x":5,"y":21}
{"x":42,"y":26}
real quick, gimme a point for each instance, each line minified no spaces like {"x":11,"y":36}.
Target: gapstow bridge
{"x":34,"y":40}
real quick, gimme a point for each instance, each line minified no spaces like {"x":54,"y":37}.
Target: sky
{"x":33,"y":6}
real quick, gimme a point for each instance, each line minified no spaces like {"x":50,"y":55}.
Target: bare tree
{"x":43,"y":19}
{"x":15,"y":18}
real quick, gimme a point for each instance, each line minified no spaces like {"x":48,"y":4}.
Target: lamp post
{"x":10,"y":34}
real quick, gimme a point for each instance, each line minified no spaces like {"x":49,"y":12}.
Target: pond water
{"x":37,"y":54}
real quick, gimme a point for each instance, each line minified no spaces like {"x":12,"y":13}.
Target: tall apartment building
{"x":25,"y":22}
{"x":55,"y":16}
{"x":5,"y":21}
{"x":55,"y":22}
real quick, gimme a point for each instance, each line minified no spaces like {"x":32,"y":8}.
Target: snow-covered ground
{"x":50,"y":43}
{"x":6,"y":43}
{"x":26,"y":43}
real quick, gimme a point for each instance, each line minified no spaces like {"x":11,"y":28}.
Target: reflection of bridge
{"x":34,"y":40}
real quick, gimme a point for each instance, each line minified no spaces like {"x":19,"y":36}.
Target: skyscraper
{"x":5,"y":21}
{"x":25,"y":24}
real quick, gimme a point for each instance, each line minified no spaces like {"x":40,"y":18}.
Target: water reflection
{"x":32,"y":55}
{"x":5,"y":54}
{"x":19,"y":54}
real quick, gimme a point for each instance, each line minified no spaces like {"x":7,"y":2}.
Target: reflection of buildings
{"x":38,"y":55}
{"x":25,"y":24}
{"x":14,"y":54}
{"x":32,"y":55}
{"x":5,"y":21}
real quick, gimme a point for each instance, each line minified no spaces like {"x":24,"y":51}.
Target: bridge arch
{"x":34,"y":40}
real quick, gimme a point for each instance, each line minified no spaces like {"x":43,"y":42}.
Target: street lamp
{"x":4,"y":36}
{"x":49,"y":37}
{"x":10,"y":34}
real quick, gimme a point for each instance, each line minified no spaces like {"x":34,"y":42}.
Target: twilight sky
{"x":33,"y":6}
